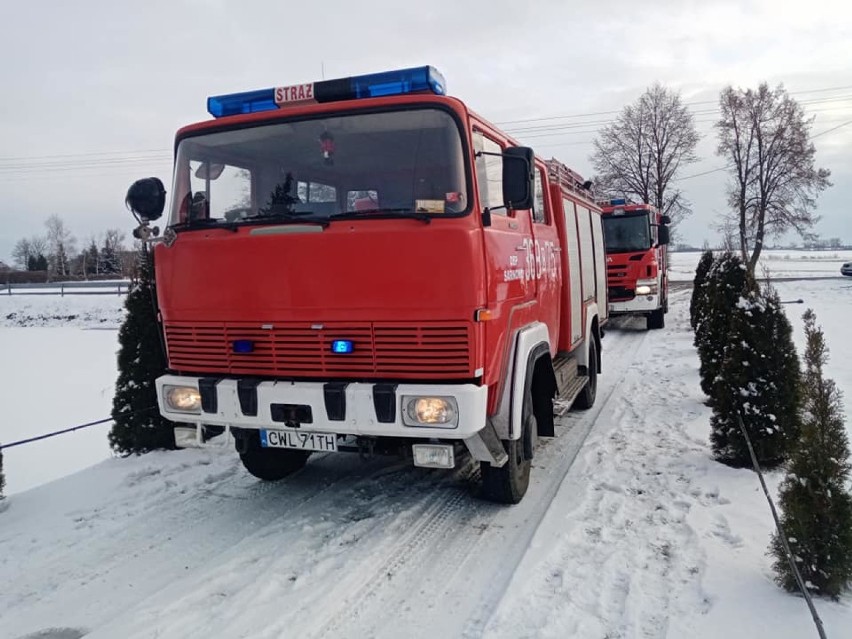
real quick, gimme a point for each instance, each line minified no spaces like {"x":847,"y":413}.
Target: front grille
{"x":621,"y":294}
{"x":299,"y":349}
{"x":616,"y":270}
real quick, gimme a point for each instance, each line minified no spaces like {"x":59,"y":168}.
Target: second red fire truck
{"x":637,"y":236}
{"x":366,"y":264}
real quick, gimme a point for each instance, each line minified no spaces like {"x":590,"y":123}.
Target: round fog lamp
{"x":431,"y":410}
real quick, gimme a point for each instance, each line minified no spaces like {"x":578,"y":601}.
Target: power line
{"x":75,"y":155}
{"x":580,"y":131}
{"x":598,"y":123}
{"x":725,"y":168}
{"x":596,"y":113}
{"x":556,"y":126}
{"x":834,"y":128}
{"x":24,"y":166}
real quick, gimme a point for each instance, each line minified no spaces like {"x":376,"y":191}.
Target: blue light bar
{"x":243,"y":346}
{"x":237,"y":103}
{"x":373,"y":85}
{"x":342,"y":346}
{"x":618,"y":202}
{"x":398,"y":83}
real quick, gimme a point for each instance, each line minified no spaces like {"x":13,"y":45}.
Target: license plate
{"x":299,"y":440}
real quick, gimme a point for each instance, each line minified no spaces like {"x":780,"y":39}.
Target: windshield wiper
{"x":278,"y":218}
{"x":248,"y":221}
{"x":205,"y":223}
{"x":389,"y":213}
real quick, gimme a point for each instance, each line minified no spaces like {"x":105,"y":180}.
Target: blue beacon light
{"x":243,"y":346}
{"x":373,"y":85}
{"x":342,"y":346}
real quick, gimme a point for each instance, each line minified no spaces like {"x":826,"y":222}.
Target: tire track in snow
{"x":450,"y":556}
{"x":303,"y":557}
{"x":630,"y":345}
{"x":158,"y":519}
{"x":625,"y":560}
{"x":412,"y":549}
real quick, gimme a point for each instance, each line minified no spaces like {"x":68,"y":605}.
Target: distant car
{"x":846,"y":269}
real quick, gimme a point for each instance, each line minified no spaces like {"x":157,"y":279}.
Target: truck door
{"x":509,"y":243}
{"x":547,"y":259}
{"x":600,"y":265}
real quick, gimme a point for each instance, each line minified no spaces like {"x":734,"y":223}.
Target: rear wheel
{"x":586,"y":398}
{"x":657,"y":319}
{"x":508,"y":484}
{"x":270,"y":464}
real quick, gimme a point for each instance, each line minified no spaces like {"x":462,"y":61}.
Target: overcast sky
{"x":91,"y":93}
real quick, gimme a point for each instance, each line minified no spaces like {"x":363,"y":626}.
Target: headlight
{"x":441,"y":412}
{"x":646,"y":287}
{"x":183,"y":399}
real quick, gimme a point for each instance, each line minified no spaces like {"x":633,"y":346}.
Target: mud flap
{"x":485,"y":446}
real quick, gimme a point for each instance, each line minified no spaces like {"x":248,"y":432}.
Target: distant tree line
{"x":55,"y":253}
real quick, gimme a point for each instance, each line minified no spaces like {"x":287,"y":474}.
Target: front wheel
{"x":271,"y":464}
{"x":657,"y":319}
{"x":508,"y":484}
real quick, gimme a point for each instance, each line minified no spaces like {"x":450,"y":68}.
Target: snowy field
{"x":58,"y":370}
{"x":777,"y":263}
{"x":629,"y":529}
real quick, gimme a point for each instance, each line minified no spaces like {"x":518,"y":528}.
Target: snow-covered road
{"x":178,"y":544}
{"x":629,"y":529}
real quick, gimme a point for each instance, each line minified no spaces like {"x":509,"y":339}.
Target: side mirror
{"x":663,"y":235}
{"x":146,"y":198}
{"x":665,"y":220}
{"x":518,"y":177}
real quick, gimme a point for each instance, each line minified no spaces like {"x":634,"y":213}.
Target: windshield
{"x":394,"y":162}
{"x":623,"y":233}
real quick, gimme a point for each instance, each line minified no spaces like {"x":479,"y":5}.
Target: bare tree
{"x":727,"y":228}
{"x":39,"y":249}
{"x":29,"y":254}
{"x":766,"y":138}
{"x":61,"y":246}
{"x":38,"y":245}
{"x":640,"y":154}
{"x":22,"y":254}
{"x":113,"y":244}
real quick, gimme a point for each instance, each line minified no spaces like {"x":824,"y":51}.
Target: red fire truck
{"x":636,"y":260}
{"x":365,"y":264}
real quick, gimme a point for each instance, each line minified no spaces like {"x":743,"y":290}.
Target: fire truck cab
{"x":365,"y":264}
{"x":636,"y":238}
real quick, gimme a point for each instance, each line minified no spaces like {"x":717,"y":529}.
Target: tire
{"x":508,"y":484}
{"x":657,"y":319}
{"x":586,"y":399}
{"x":271,"y":464}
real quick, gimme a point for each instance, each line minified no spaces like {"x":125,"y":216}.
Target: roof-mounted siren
{"x":374,"y":85}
